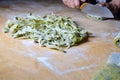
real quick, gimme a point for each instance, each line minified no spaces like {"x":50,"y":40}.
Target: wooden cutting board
{"x":25,"y":60}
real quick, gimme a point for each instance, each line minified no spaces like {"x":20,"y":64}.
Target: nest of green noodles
{"x":51,"y":31}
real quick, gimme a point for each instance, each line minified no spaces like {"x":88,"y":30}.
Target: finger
{"x":76,"y":3}
{"x":72,"y":4}
{"x":65,"y":2}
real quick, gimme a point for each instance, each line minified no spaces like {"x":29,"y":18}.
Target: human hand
{"x":116,"y":3}
{"x":114,"y":6}
{"x":73,"y":3}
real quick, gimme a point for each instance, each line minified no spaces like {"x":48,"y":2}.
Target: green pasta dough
{"x":109,"y":72}
{"x":51,"y":31}
{"x":117,"y":40}
{"x":94,"y":17}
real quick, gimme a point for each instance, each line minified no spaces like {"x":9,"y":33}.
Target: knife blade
{"x":96,"y":10}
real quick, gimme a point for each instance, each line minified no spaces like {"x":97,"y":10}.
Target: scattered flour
{"x":45,"y":61}
{"x":107,"y":34}
{"x":28,"y":42}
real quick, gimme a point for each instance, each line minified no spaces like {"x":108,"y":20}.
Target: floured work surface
{"x":25,"y":60}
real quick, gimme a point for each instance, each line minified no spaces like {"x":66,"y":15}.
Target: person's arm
{"x":73,"y":3}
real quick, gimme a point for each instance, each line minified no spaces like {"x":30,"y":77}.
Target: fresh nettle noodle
{"x":51,"y":31}
{"x":117,"y":40}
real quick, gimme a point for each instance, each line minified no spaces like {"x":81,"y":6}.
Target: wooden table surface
{"x":25,"y":60}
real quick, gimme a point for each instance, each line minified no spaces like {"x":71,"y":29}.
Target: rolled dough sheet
{"x":111,"y":71}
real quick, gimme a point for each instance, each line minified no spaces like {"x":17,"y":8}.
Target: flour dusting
{"x":45,"y":61}
{"x":28,"y":42}
{"x":107,"y":34}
